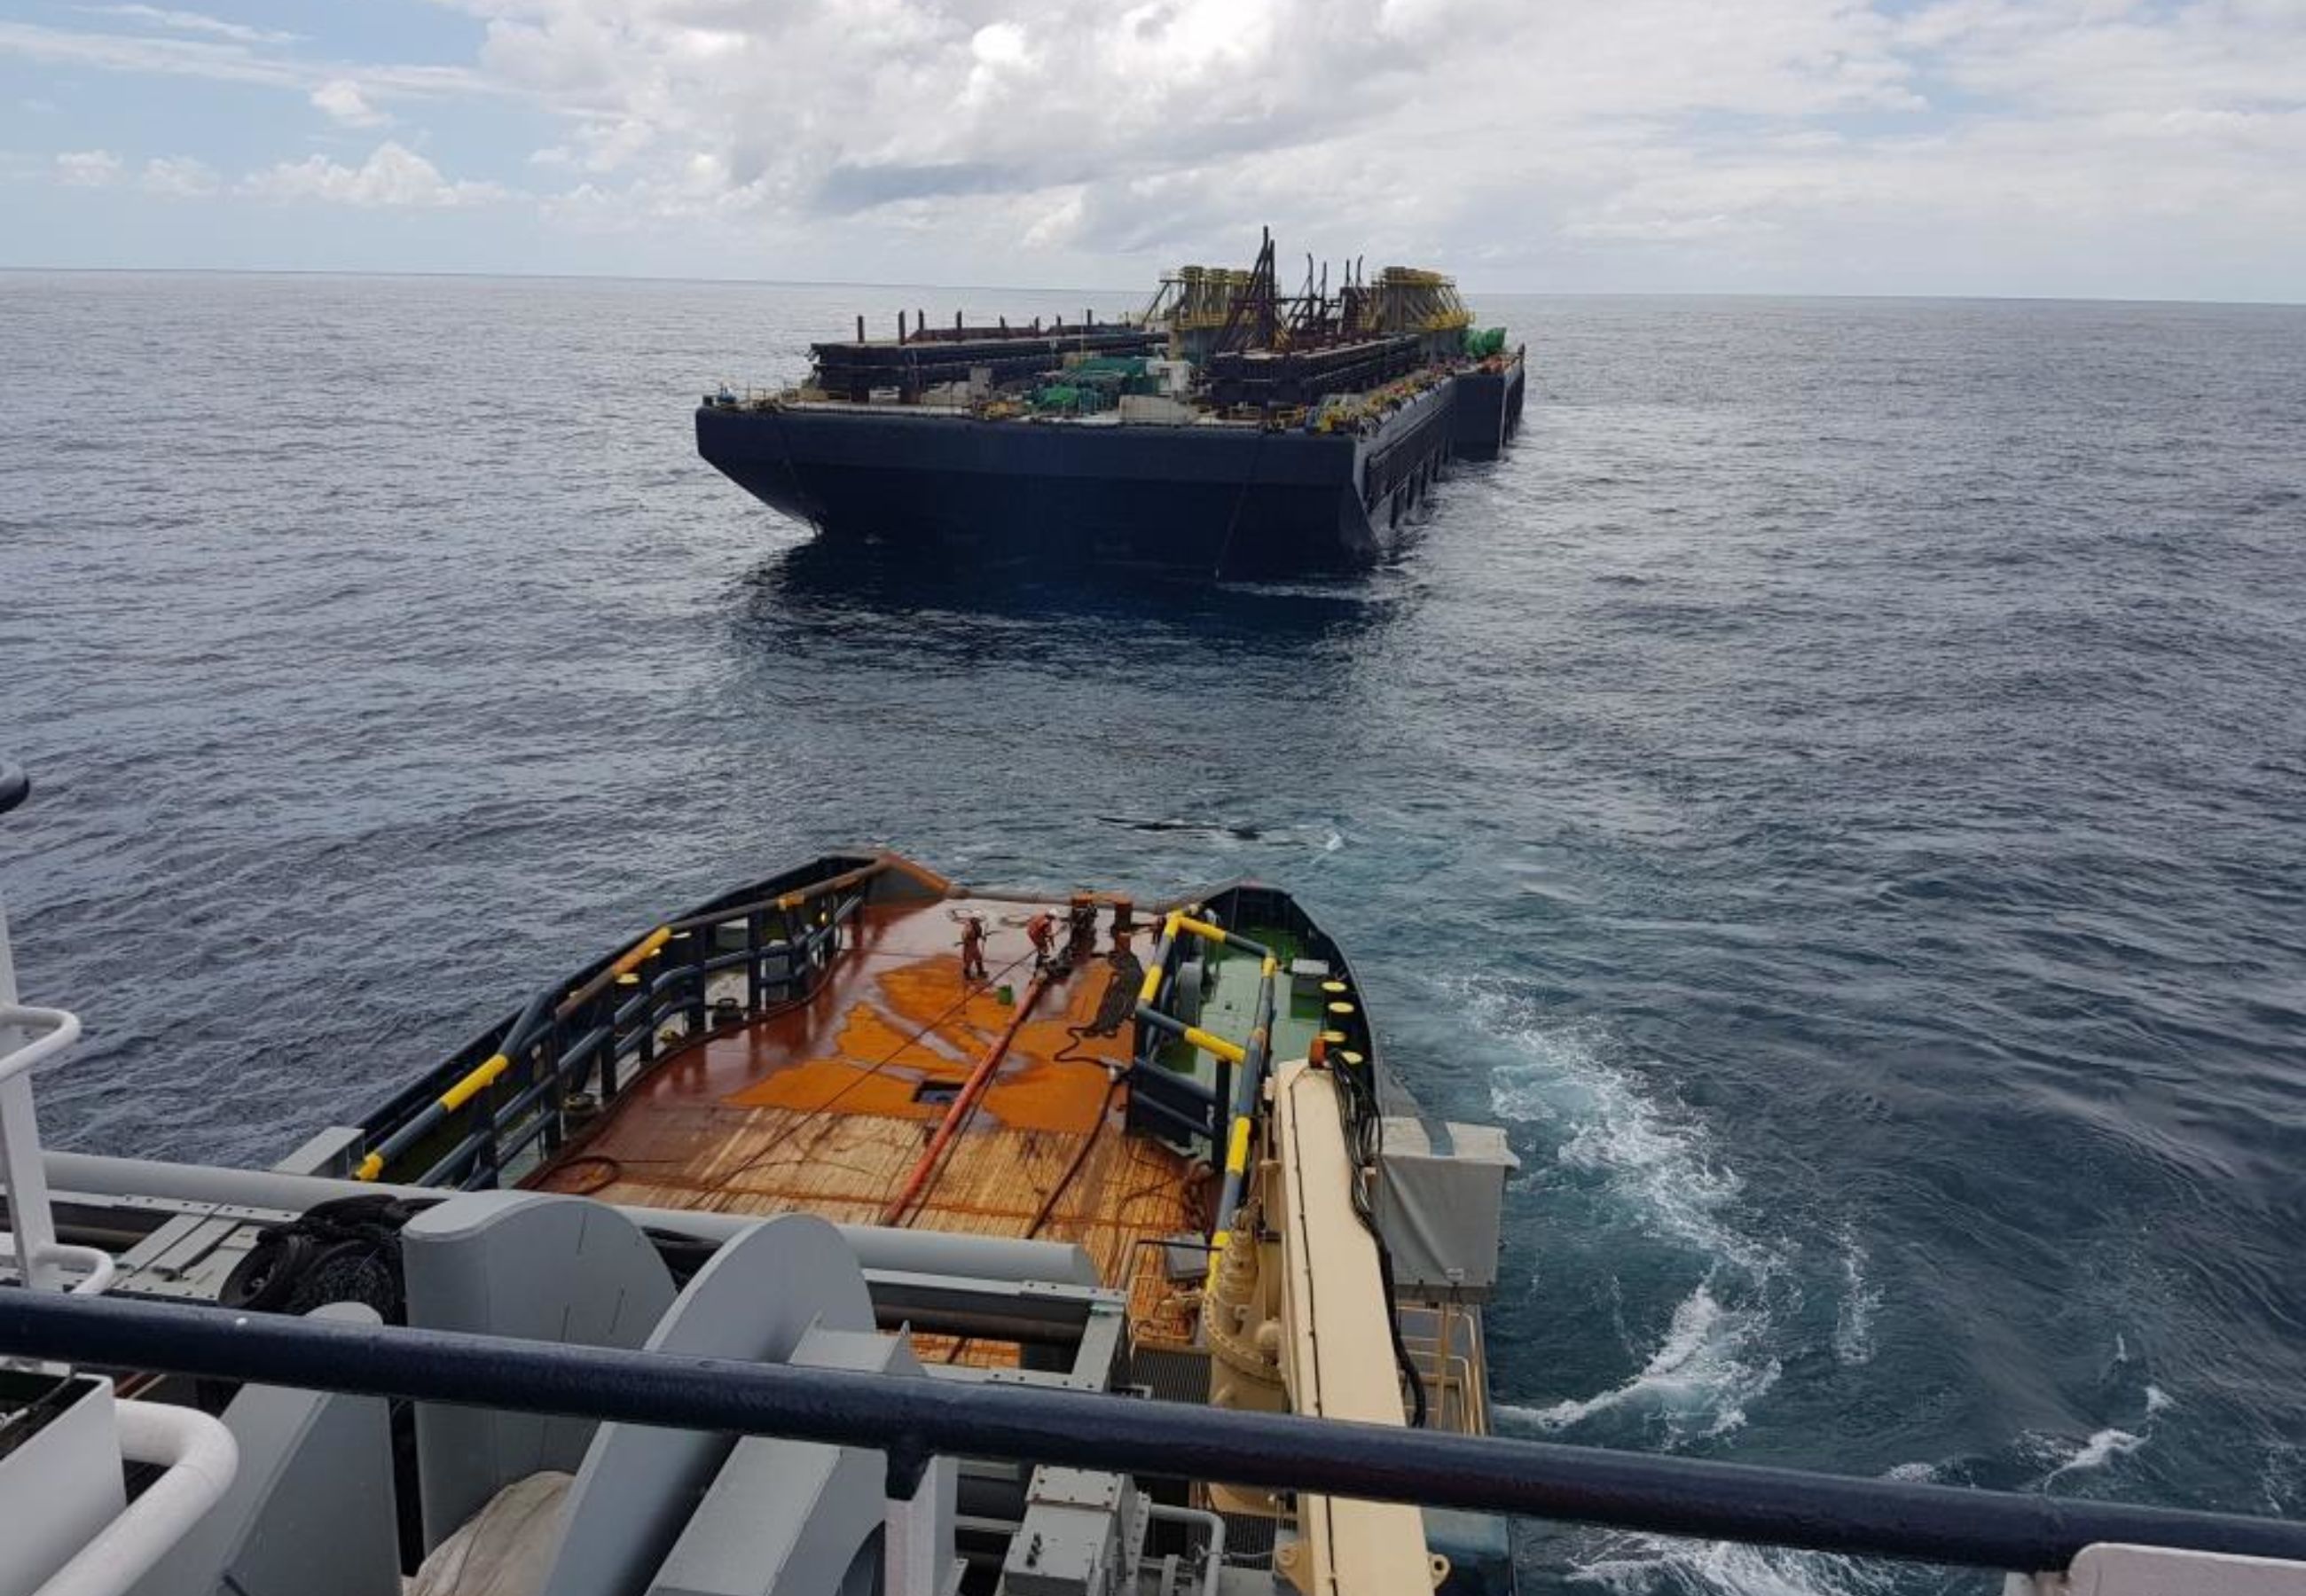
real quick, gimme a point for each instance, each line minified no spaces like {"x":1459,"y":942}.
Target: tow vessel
{"x":1232,"y":429}
{"x":859,"y":1233}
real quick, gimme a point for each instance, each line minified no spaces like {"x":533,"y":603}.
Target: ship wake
{"x":1657,"y":1187}
{"x":1655,"y":1172}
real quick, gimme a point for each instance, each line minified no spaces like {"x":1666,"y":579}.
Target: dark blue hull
{"x":1202,"y":500}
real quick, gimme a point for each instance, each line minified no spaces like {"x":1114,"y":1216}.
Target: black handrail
{"x":497,"y":1098}
{"x":914,"y":1419}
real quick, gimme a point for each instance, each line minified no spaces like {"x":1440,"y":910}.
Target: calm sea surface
{"x":1835,"y":791}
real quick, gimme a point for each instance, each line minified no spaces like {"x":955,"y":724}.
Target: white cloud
{"x":1804,"y":142}
{"x":1855,"y":144}
{"x":87,"y":169}
{"x":144,"y":54}
{"x":224,"y":62}
{"x":178,"y":177}
{"x":1658,"y":229}
{"x":341,"y":98}
{"x":194,"y":22}
{"x":392,"y":176}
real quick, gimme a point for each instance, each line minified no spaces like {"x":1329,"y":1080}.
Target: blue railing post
{"x":699,"y":944}
{"x":558,"y":1090}
{"x":753,"y":998}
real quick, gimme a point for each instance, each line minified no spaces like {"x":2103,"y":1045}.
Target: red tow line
{"x":964,"y":1103}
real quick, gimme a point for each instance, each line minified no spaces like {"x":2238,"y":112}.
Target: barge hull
{"x":1198,"y":501}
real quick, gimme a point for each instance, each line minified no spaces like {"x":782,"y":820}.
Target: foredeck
{"x":826,"y":1106}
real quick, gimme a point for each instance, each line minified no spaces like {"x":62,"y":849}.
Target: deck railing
{"x":515,"y":1094}
{"x":912,"y":1420}
{"x":28,"y":1038}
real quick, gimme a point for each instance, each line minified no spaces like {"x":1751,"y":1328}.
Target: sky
{"x":2124,"y":148}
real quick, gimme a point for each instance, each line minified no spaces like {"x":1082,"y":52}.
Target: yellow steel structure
{"x":1332,"y":1352}
{"x":1409,"y":300}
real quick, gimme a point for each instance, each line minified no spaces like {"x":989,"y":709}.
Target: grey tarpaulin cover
{"x":1440,"y":1194}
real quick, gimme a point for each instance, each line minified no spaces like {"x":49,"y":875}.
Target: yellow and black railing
{"x":507,"y":1098}
{"x":1224,"y":1120}
{"x":1177,"y":1104}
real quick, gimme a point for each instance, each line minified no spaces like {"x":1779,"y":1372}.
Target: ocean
{"x":1834,"y":791}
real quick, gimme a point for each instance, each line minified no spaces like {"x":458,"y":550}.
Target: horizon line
{"x":607,"y":277}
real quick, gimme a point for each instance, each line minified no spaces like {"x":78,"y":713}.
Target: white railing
{"x":29,"y":1036}
{"x":199,"y":1457}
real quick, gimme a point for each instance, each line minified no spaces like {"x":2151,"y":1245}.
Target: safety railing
{"x":515,"y":1094}
{"x":31,"y":1237}
{"x":914,"y":1421}
{"x":1444,"y":1345}
{"x":29,"y":1037}
{"x":1168,"y":1103}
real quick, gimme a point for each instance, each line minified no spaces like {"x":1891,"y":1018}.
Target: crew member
{"x":1041,"y":931}
{"x":972,"y":948}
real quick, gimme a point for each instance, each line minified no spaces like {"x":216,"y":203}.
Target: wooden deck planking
{"x":815,"y":1110}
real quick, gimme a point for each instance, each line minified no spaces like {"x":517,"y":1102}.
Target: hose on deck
{"x":965,"y":1102}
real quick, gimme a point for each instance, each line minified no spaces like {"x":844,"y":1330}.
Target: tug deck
{"x":825,"y":1106}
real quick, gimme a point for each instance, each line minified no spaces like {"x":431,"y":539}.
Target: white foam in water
{"x":1699,"y":1381}
{"x":1715,"y":1357}
{"x":1637,"y":1565}
{"x":1663,"y":1166}
{"x":2105,"y":1445}
{"x":1634,"y":1564}
{"x":1853,"y":1321}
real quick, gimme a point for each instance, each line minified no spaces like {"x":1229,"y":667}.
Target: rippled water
{"x":1834,"y":791}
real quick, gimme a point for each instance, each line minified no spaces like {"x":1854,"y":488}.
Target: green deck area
{"x":1229,"y":1008}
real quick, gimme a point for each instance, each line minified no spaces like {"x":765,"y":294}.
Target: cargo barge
{"x":1230,"y":430}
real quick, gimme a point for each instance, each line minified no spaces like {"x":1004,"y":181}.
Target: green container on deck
{"x":1107,"y":365}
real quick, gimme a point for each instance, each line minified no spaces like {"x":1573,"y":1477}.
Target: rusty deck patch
{"x":825,"y":1107}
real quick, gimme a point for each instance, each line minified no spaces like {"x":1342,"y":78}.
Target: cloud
{"x":145,"y":54}
{"x":1638,"y":143}
{"x":178,"y":177}
{"x":1084,"y":127}
{"x":1658,"y":229}
{"x":226,"y":61}
{"x":341,"y":98}
{"x":88,"y":169}
{"x":847,"y":187}
{"x":393,"y":176}
{"x":194,"y":22}
{"x":1859,"y":144}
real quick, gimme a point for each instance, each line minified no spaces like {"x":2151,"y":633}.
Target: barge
{"x":1230,"y":430}
{"x":862,"y":1233}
